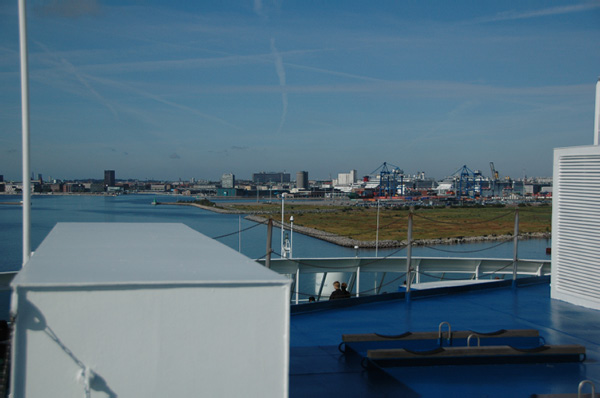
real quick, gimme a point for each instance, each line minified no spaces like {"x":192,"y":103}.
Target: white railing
{"x":380,"y":270}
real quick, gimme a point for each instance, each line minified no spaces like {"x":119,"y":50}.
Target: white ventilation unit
{"x":576,"y":226}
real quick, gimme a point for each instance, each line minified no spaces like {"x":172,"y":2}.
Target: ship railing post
{"x":26,"y":191}
{"x":297,"y":282}
{"x":282,"y":222}
{"x":322,"y":284}
{"x":269,"y":238}
{"x":381,"y":283}
{"x":515,"y":248}
{"x":358,"y":281}
{"x":377,"y":232}
{"x":409,"y":253}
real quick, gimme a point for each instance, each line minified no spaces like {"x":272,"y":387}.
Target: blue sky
{"x":168,"y":90}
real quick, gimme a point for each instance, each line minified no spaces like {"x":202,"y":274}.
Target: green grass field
{"x":428,"y":223}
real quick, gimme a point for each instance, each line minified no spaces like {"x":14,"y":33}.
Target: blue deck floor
{"x":318,"y":369}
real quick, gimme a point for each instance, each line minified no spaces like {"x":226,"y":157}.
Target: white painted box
{"x":147,"y":310}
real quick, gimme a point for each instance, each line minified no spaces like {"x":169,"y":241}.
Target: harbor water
{"x":47,"y":210}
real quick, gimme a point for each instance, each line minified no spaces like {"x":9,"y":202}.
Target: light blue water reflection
{"x":48,"y":210}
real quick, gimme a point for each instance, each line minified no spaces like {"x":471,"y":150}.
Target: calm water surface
{"x":48,"y":210}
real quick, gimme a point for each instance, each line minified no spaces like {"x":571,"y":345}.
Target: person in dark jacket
{"x":346,"y":293}
{"x":337,"y":293}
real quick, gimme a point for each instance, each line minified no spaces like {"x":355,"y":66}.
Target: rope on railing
{"x":237,"y":232}
{"x":469,"y":251}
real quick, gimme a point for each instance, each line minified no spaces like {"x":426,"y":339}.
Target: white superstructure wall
{"x":576,"y":226}
{"x":147,"y":310}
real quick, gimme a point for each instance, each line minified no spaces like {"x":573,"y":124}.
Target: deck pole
{"x":269,"y":238}
{"x":291,"y":236}
{"x":282,"y":211}
{"x":377,"y":233}
{"x":322,"y":284}
{"x":358,"y":281}
{"x":25,"y":131}
{"x":297,"y":283}
{"x":409,"y":253}
{"x":515,"y":247}
{"x":597,"y":115}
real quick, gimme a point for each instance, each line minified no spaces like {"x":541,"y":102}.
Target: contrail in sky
{"x":281,"y":74}
{"x":258,"y":8}
{"x":158,"y":98}
{"x":559,"y":10}
{"x":71,"y":69}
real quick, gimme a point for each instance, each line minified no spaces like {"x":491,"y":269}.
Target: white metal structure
{"x":25,"y":130}
{"x":147,"y":310}
{"x":576,"y":226}
{"x":597,"y":115}
{"x":576,"y":221}
{"x":326,"y":270}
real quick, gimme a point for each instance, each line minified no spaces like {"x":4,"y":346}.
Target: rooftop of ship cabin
{"x":319,"y":369}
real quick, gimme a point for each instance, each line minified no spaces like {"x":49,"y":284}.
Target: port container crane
{"x":467,"y":181}
{"x":388,"y":179}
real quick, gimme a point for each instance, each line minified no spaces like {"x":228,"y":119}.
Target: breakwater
{"x":259,"y":217}
{"x":225,"y":210}
{"x":390,"y":244}
{"x":215,"y":209}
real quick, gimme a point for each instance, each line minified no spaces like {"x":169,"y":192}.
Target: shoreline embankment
{"x":390,"y":244}
{"x":258,"y":217}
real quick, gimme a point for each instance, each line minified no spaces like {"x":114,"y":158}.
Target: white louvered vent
{"x":576,"y":226}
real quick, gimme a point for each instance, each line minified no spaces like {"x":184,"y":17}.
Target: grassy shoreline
{"x":351,"y":226}
{"x":444,"y":225}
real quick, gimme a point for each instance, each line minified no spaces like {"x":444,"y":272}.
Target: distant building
{"x":94,"y":187}
{"x":228,"y":180}
{"x":302,"y":180}
{"x":158,"y":187}
{"x":109,"y":178}
{"x":230,"y":192}
{"x":1,"y":178}
{"x":263,"y":178}
{"x":346,"y":178}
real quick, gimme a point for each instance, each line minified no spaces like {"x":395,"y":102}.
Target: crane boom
{"x":494,"y":172}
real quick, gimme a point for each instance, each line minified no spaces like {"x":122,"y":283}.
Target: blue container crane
{"x":467,"y":180}
{"x":388,"y":179}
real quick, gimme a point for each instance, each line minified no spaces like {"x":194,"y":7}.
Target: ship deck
{"x":318,"y":369}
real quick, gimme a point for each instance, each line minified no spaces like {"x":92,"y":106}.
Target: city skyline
{"x":170,"y":90}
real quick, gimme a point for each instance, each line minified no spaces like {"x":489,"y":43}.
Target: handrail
{"x":435,"y":268}
{"x":584,"y":382}
{"x":468,"y":265}
{"x":469,"y":340}
{"x":449,"y":339}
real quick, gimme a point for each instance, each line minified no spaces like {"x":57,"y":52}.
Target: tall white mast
{"x":597,"y":115}
{"x":25,"y":133}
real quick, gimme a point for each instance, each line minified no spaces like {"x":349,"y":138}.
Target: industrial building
{"x":302,"y":180}
{"x":109,"y":178}
{"x":270,"y":177}
{"x":228,"y":180}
